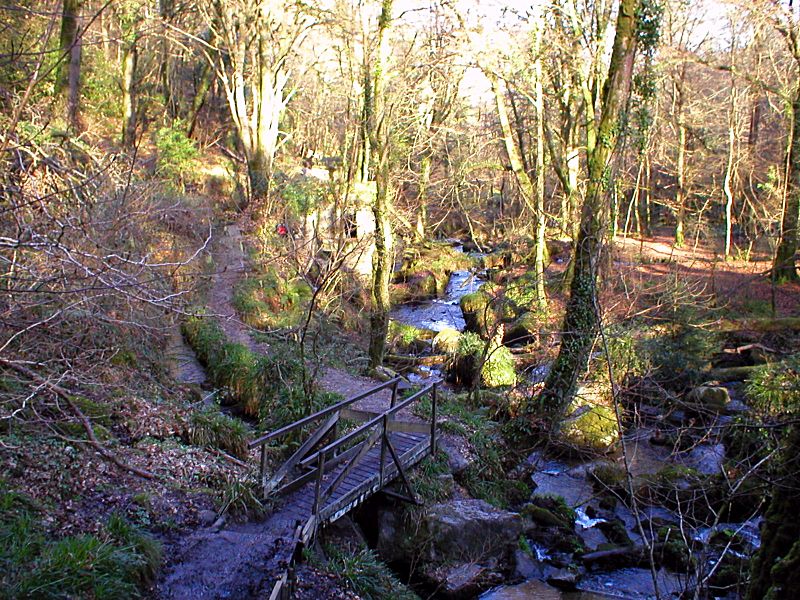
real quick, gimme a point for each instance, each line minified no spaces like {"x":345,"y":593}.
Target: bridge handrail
{"x":261,"y":440}
{"x":370,"y":424}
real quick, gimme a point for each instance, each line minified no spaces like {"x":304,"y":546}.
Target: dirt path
{"x":231,"y":264}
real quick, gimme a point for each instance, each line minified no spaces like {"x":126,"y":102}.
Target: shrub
{"x":271,"y":301}
{"x":176,"y":153}
{"x":775,"y":389}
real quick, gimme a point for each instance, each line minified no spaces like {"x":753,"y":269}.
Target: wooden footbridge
{"x":334,"y":470}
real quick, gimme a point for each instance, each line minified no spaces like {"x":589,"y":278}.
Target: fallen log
{"x":761,"y":325}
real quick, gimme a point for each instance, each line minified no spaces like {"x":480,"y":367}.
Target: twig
{"x":87,"y":426}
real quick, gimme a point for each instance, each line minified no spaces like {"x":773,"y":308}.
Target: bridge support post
{"x":433,"y":420}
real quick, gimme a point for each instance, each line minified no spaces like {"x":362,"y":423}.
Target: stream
{"x":441,"y":313}
{"x":571,"y":480}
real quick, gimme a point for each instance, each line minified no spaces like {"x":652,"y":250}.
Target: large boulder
{"x":462,"y":580}
{"x":470,"y":530}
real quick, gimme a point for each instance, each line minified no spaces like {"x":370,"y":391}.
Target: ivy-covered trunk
{"x":776,"y":568}
{"x":581,"y":321}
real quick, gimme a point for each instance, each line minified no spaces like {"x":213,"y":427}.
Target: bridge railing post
{"x":263,"y":467}
{"x":433,"y":420}
{"x":318,"y":484}
{"x":384,"y":424}
{"x":394,"y":393}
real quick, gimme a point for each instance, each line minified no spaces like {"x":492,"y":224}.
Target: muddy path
{"x":243,"y":560}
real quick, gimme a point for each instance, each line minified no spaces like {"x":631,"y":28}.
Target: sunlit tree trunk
{"x":785,"y":266}
{"x":383,"y":257}
{"x":68,"y":76}
{"x":581,"y":320}
{"x":130,"y":59}
{"x":527,"y":189}
{"x":540,"y":247}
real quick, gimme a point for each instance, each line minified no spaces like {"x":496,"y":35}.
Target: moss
{"x":497,"y":370}
{"x":447,"y":341}
{"x":556,"y":506}
{"x":478,"y":314}
{"x":608,"y":478}
{"x":406,"y":337}
{"x":594,"y":422}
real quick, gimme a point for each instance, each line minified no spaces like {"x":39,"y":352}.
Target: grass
{"x":268,"y":387}
{"x":241,"y":498}
{"x":216,"y":430}
{"x":366,"y":575}
{"x":114,"y":564}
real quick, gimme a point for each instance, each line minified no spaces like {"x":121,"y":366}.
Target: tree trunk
{"x":785,"y":265}
{"x":68,"y":76}
{"x":383,"y":257}
{"x":680,"y":194}
{"x":422,"y":195}
{"x":203,"y":86}
{"x":581,"y":320}
{"x":529,"y":193}
{"x":130,"y":58}
{"x":540,"y":244}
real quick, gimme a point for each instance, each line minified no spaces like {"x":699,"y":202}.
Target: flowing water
{"x":441,"y":313}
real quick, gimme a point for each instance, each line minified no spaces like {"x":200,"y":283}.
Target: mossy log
{"x":762,"y":325}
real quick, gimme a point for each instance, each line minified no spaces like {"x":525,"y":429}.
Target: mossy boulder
{"x":523,"y":330}
{"x":608,"y":479}
{"x":710,"y":398}
{"x":446,"y":341}
{"x":478,"y":313}
{"x":493,"y":359}
{"x":432,"y":262}
{"x":592,"y":421}
{"x":408,"y":338}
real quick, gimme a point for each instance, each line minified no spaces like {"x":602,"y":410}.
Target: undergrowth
{"x":214,"y":429}
{"x":366,"y":575}
{"x":114,"y":564}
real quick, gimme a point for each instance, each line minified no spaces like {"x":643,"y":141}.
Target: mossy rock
{"x":616,"y":532}
{"x":406,"y":337}
{"x":438,"y":259}
{"x":446,"y":341}
{"x":710,"y":398}
{"x":498,"y":368}
{"x":608,"y":478}
{"x":524,"y":329}
{"x":592,"y":421}
{"x":552,"y":508}
{"x":478,"y":314}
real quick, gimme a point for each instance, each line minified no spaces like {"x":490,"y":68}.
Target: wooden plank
{"x":368,"y":444}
